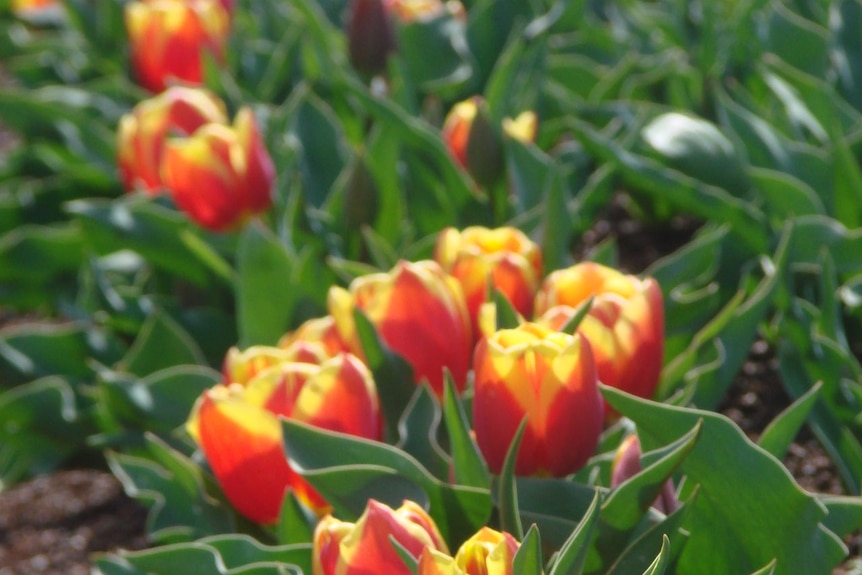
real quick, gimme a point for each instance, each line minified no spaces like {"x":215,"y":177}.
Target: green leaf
{"x":161,"y":235}
{"x":797,"y":40}
{"x":573,"y":554}
{"x":322,"y":158}
{"x":786,"y":196}
{"x":41,"y":428}
{"x":659,"y":566}
{"x":160,"y":402}
{"x":845,"y":514}
{"x":392,"y":374}
{"x":348,"y":471}
{"x":782,"y":430}
{"x":767,"y":569}
{"x":737,"y":523}
{"x":223,"y":555}
{"x":507,"y":501}
{"x":38,"y":254}
{"x":730,"y":334}
{"x":505,"y":316}
{"x":686,"y":194}
{"x":555,"y":505}
{"x":265,"y":298}
{"x":580,"y":313}
{"x":556,"y":231}
{"x":698,"y":149}
{"x":177,"y":491}
{"x":35,"y":350}
{"x":528,"y":557}
{"x":295,"y":522}
{"x":160,"y":344}
{"x":409,"y":560}
{"x":469,"y":465}
{"x":638,"y":554}
{"x":419,"y":424}
{"x":443,"y":35}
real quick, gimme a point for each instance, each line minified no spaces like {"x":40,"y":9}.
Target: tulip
{"x":36,"y":10}
{"x":243,"y":366}
{"x":371,"y":33}
{"x":220,"y":175}
{"x":419,"y":312}
{"x":237,"y":428}
{"x":320,"y":330}
{"x":523,"y":128}
{"x":342,"y":548}
{"x":625,"y":324}
{"x":488,"y":552}
{"x":142,"y":133}
{"x":627,"y":464}
{"x":506,"y":256}
{"x":550,"y":378}
{"x":474,"y":141}
{"x":169,"y":37}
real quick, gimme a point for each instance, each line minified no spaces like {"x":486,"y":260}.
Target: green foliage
{"x":742,"y":118}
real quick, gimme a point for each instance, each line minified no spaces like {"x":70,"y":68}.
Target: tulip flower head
{"x":141,"y":136}
{"x":419,"y":312}
{"x":364,"y":547}
{"x":243,"y":366}
{"x":627,"y":464}
{"x":550,"y":378}
{"x":488,"y":552}
{"x":320,"y":330}
{"x":506,"y":256}
{"x":37,"y":10}
{"x":474,"y":141}
{"x":168,"y":39}
{"x":238,"y":430}
{"x":220,"y":175}
{"x":625,"y":324}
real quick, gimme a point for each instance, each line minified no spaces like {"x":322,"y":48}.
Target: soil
{"x":52,"y":524}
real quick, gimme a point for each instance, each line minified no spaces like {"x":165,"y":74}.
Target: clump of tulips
{"x":544,"y":372}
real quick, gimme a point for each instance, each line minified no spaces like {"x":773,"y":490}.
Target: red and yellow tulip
{"x":505,"y":256}
{"x":550,"y":378}
{"x":364,"y":547}
{"x":475,"y":141}
{"x":220,"y":175}
{"x":141,"y":136}
{"x":237,"y":428}
{"x":419,"y":311}
{"x":319,"y":330}
{"x":625,"y":324}
{"x":488,"y":552}
{"x":168,"y":39}
{"x":243,"y":366}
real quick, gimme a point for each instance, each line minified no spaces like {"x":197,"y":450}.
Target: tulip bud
{"x":370,"y":37}
{"x":550,"y":378}
{"x":506,"y":256}
{"x":220,"y":175}
{"x":321,"y":330}
{"x":474,"y":141}
{"x":168,"y":38}
{"x":141,"y":136}
{"x":488,"y":552}
{"x":342,"y":548}
{"x":237,"y":428}
{"x":419,"y":311}
{"x":627,"y":464}
{"x":625,"y":324}
{"x":360,"y":197}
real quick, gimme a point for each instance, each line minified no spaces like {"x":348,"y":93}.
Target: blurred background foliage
{"x":743,"y":118}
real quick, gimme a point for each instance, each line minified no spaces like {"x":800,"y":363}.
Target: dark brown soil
{"x":50,"y":525}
